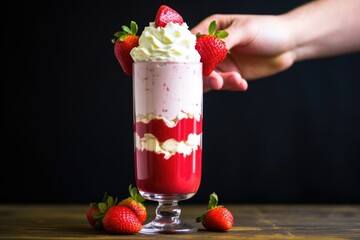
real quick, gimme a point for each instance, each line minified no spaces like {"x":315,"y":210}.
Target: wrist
{"x":293,"y":42}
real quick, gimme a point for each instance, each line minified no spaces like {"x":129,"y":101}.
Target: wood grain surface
{"x":291,"y":222}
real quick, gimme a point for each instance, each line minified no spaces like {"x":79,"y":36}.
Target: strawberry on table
{"x":216,"y":218}
{"x":96,"y":211}
{"x":91,"y":211}
{"x":211,"y":48}
{"x":121,"y":220}
{"x":124,"y":41}
{"x":165,"y":15}
{"x":135,"y":203}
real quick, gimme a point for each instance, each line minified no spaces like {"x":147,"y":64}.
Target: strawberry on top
{"x":124,"y":41}
{"x":211,"y":47}
{"x":165,"y":15}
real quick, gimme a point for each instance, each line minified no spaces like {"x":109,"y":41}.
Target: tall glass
{"x":168,"y":98}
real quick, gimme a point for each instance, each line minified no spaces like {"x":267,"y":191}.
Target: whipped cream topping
{"x":170,"y":147}
{"x":169,"y":123}
{"x":174,"y":42}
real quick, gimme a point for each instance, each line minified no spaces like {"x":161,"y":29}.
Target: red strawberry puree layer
{"x":177,"y":175}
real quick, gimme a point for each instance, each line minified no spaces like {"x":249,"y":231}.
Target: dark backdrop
{"x":67,"y":112}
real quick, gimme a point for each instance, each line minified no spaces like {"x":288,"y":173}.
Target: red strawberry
{"x":124,"y":41}
{"x":217,"y":218}
{"x":121,"y":220}
{"x":211,"y":48}
{"x":96,"y":211}
{"x":165,"y":15}
{"x":134,"y":202}
{"x":91,"y":211}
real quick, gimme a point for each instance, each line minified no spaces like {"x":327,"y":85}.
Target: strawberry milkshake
{"x":168,"y":94}
{"x":167,"y":88}
{"x":168,"y":126}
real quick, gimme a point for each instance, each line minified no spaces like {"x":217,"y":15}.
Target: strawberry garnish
{"x":135,"y":203}
{"x":124,"y":41}
{"x":121,"y":220}
{"x":165,"y":15}
{"x":216,"y":218}
{"x":211,"y":48}
{"x":96,"y":211}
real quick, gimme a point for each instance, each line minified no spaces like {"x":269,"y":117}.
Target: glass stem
{"x":167,"y":214}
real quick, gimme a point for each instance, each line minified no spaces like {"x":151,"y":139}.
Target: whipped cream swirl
{"x":174,"y":42}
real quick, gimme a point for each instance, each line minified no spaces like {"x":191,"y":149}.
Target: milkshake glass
{"x":167,"y":107}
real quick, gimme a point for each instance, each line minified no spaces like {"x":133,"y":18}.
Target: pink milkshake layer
{"x":168,"y":88}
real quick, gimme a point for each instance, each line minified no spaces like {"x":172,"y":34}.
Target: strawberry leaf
{"x":105,"y":197}
{"x":126,"y":29}
{"x":221,"y":34}
{"x":132,"y":30}
{"x":134,"y":27}
{"x":134,"y":194}
{"x":213,"y":201}
{"x":98,"y":215}
{"x":110,"y":201}
{"x":199,"y":35}
{"x":212,"y":27}
{"x":94,"y":205}
{"x":102,"y":207}
{"x":200,"y":219}
{"x":121,"y":35}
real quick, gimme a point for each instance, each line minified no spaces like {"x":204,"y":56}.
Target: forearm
{"x":324,"y":28}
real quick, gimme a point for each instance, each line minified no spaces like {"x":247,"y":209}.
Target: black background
{"x":67,"y":112}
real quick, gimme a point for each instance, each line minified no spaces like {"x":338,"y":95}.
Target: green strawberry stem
{"x":220,"y":34}
{"x":213,"y":202}
{"x":105,"y":197}
{"x":103,"y":206}
{"x":120,"y":35}
{"x":211,"y":31}
{"x":201,"y":218}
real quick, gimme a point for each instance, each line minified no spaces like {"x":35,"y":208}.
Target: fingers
{"x":225,"y":81}
{"x":213,"y":81}
{"x":228,"y":78}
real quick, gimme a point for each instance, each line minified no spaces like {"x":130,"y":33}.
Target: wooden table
{"x":293,"y":222}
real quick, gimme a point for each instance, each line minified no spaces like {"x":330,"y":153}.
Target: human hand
{"x":260,"y":45}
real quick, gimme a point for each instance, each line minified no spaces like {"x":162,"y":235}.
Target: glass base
{"x":154,"y":227}
{"x":167,"y":214}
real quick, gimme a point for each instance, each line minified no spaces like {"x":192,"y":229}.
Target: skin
{"x":263,"y":45}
